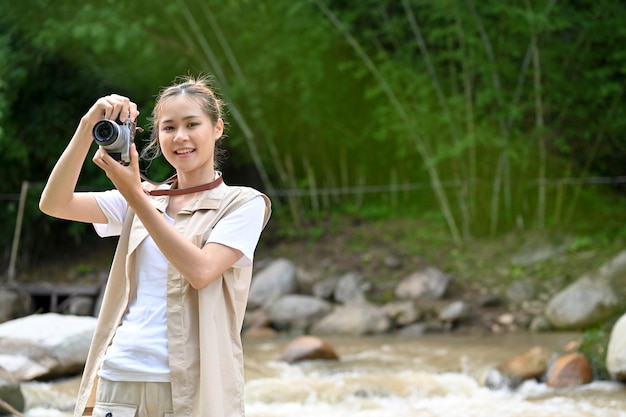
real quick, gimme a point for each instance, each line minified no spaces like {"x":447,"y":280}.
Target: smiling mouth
{"x":184,"y":151}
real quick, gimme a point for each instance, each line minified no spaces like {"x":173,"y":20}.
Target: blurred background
{"x":480,"y":118}
{"x":389,"y":134}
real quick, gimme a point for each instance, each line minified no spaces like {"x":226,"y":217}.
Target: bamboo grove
{"x":486,"y":116}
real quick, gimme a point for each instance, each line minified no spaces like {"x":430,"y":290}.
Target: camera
{"x":116,"y":137}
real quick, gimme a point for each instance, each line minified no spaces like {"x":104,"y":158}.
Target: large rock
{"x":428,"y":283}
{"x":307,"y":348}
{"x":616,"y":351}
{"x":531,"y":364}
{"x":570,"y":370}
{"x":401,"y":313}
{"x":272,"y":282}
{"x":585,"y":303}
{"x":45,"y":345}
{"x":351,"y":288}
{"x":306,"y":279}
{"x":454,"y":311}
{"x":325,"y":289}
{"x":294,"y":311}
{"x":354,"y":319}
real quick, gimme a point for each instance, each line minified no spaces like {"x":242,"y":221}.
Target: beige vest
{"x":203,"y":326}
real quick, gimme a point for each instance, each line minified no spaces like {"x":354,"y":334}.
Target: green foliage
{"x":594,"y":347}
{"x":342,"y":104}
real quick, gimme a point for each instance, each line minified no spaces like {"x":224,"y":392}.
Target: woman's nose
{"x":181,"y":135}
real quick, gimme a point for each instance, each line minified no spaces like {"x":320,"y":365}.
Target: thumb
{"x":134,"y":156}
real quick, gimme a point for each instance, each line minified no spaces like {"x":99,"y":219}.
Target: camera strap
{"x":180,"y":191}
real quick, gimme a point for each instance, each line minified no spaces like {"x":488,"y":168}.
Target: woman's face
{"x":187,"y":136}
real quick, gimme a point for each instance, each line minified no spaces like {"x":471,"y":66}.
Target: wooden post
{"x":17,"y":233}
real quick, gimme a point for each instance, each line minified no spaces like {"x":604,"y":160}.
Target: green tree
{"x":476,"y":108}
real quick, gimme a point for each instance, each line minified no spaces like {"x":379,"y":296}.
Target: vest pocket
{"x":114,"y":410}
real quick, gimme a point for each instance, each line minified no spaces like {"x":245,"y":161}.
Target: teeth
{"x":183,"y":151}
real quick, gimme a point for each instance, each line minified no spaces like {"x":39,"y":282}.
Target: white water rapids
{"x":434,"y":375}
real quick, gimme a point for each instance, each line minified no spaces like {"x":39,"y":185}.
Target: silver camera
{"x":116,"y":137}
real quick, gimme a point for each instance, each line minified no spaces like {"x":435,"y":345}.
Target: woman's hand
{"x":112,"y":107}
{"x":126,"y":178}
{"x":59,"y":197}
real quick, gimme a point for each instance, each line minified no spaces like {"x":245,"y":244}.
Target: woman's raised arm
{"x":59,"y":197}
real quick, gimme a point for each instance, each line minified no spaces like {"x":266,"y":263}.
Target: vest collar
{"x":209,"y":200}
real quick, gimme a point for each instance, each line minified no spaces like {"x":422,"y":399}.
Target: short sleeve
{"x":114,"y":207}
{"x":241,"y":230}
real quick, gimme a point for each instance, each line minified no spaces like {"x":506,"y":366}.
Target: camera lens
{"x":105,"y":132}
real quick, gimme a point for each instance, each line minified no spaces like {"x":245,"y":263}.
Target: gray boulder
{"x":45,"y":345}
{"x":428,"y":283}
{"x":272,"y":282}
{"x":402,"y":313}
{"x":453,"y":312}
{"x":351,"y":287}
{"x":355,"y":319}
{"x":585,"y":303}
{"x":325,"y":289}
{"x":616,"y":351}
{"x":297,"y":311}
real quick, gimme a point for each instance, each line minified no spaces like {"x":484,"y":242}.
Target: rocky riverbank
{"x":285,"y":298}
{"x":388,"y":278}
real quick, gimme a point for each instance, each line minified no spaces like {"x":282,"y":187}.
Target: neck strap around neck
{"x":180,"y":191}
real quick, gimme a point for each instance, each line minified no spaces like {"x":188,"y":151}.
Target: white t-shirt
{"x":139,"y":348}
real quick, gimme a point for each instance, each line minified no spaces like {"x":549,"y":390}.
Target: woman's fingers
{"x":99,"y":158}
{"x":118,"y":107}
{"x":115,"y":107}
{"x":126,"y":178}
{"x":134,"y":112}
{"x":134,"y":157}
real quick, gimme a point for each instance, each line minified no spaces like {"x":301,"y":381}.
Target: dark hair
{"x":198,"y":89}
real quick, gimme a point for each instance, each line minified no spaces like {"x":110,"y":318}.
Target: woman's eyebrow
{"x":192,"y":116}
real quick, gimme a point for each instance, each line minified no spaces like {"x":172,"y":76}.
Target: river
{"x":435,"y":375}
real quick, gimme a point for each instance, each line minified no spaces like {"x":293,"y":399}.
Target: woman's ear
{"x":219,"y":128}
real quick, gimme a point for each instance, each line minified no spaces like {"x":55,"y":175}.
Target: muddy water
{"x":391,"y":377}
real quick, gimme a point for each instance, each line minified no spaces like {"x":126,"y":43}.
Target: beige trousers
{"x":133,"y":399}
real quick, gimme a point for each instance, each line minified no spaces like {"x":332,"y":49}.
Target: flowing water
{"x":391,"y":377}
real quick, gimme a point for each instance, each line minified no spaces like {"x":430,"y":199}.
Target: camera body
{"x":116,"y":137}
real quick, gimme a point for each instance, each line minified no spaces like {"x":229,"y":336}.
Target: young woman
{"x":167,"y":342}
